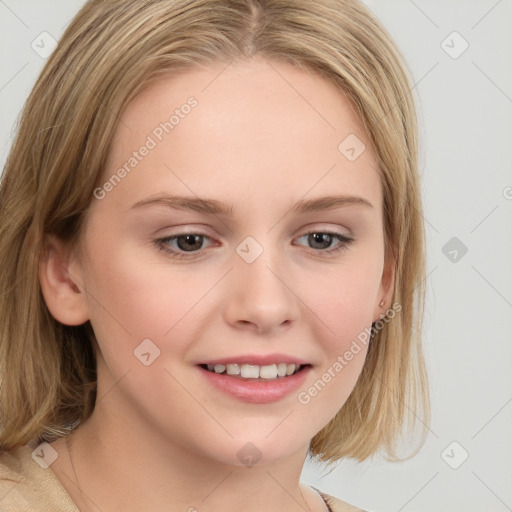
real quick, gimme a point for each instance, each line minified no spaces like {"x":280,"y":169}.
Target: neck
{"x":118,"y":467}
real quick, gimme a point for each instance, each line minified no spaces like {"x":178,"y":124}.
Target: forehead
{"x":256,"y":127}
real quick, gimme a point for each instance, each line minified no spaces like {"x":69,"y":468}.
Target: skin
{"x":159,"y":435}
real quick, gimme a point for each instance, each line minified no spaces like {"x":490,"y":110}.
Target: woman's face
{"x":222,"y":237}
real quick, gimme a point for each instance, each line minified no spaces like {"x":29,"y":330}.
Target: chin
{"x":244,"y":452}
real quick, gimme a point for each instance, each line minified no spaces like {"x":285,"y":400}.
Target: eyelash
{"x":162,"y":244}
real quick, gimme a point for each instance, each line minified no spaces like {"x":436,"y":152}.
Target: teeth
{"x":233,"y":369}
{"x":251,"y":371}
{"x":268,"y":372}
{"x":281,"y":369}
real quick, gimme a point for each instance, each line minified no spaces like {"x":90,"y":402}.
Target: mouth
{"x":256,"y":378}
{"x":253,"y":372}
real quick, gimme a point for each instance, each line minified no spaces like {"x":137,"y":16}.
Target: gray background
{"x":465,"y":104}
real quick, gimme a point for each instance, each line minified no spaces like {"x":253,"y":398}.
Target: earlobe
{"x":386,"y":287}
{"x":64,"y":297}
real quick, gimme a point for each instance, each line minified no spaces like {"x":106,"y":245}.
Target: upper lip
{"x":257,"y":360}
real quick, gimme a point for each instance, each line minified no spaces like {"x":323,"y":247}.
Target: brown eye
{"x":183,"y":245}
{"x":190,"y":242}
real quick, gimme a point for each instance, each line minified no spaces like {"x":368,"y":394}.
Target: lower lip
{"x":257,"y":391}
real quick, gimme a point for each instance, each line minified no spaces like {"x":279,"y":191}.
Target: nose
{"x":261,"y":296}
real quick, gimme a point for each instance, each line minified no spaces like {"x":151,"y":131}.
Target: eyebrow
{"x":214,"y":207}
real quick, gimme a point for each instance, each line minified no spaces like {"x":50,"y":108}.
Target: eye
{"x":323,"y":241}
{"x":189,"y":245}
{"x":178,"y":245}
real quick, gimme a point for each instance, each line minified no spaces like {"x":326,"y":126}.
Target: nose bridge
{"x":261,"y":295}
{"x":261,"y":278}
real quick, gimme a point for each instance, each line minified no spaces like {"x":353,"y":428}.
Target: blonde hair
{"x":111,"y":51}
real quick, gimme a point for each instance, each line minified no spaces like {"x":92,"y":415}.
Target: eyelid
{"x":193,"y":231}
{"x":344,"y":241}
{"x":327,"y":228}
{"x":188,"y":232}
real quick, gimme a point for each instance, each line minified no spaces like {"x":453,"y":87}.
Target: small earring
{"x":381,"y":303}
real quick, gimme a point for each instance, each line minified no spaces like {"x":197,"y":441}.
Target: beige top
{"x":26,"y":487}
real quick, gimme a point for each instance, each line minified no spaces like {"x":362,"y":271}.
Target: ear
{"x":387,"y":285}
{"x":59,"y":276}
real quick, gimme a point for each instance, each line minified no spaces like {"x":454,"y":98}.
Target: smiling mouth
{"x":255,"y":372}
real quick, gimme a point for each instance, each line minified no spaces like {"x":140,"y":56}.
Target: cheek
{"x":344,"y":297}
{"x":343,"y":300}
{"x":135,"y":286}
{"x":140,"y":315}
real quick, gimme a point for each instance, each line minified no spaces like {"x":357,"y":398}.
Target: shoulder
{"x":338,"y":505}
{"x":26,"y":485}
